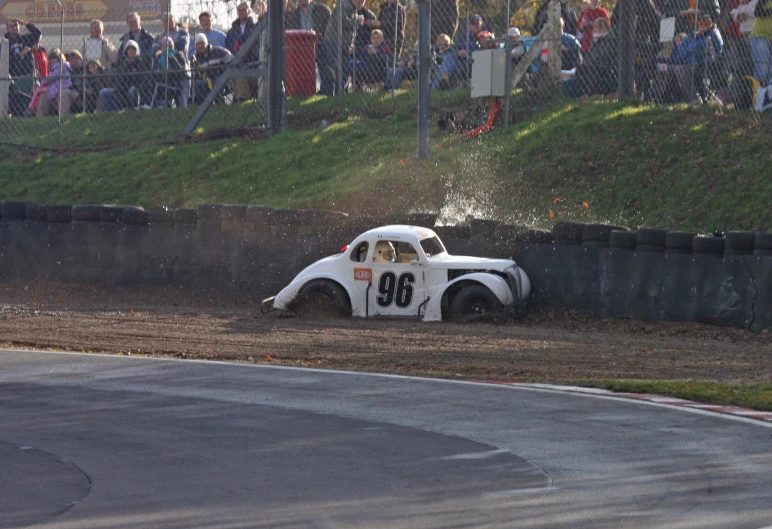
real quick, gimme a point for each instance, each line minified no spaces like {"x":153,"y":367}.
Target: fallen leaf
{"x":552,"y":214}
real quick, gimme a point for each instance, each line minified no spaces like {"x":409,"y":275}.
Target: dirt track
{"x":541,"y":346}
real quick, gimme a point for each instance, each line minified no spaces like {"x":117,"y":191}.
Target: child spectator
{"x":58,"y":85}
{"x":517,"y":45}
{"x":586,"y":23}
{"x":95,"y":82}
{"x":169,"y":73}
{"x":78,"y":78}
{"x":375,"y":58}
{"x":131,"y":83}
{"x":598,"y":72}
{"x":41,"y":59}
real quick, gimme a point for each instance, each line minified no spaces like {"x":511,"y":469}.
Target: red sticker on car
{"x":363,"y":274}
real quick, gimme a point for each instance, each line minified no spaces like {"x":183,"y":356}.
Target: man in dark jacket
{"x":244,"y":88}
{"x":137,"y":33}
{"x":21,"y":63}
{"x":336,"y":44}
{"x":566,"y":13}
{"x":310,"y":16}
{"x":444,"y":18}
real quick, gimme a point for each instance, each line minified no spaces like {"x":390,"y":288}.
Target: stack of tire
{"x":734,"y":243}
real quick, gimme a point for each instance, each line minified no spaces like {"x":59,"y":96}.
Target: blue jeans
{"x":184,"y":93}
{"x":450,"y":64}
{"x":394,"y":78}
{"x":112,"y":103}
{"x":328,"y":59}
{"x":761,"y":52}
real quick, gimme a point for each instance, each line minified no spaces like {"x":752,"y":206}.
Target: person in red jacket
{"x":41,"y":59}
{"x":586,"y":21}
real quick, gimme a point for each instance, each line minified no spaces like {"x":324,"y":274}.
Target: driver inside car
{"x":384,"y":252}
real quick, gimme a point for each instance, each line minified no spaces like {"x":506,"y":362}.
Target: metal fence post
{"x":339,"y":62}
{"x":507,"y":78}
{"x":4,"y":78}
{"x":424,"y":74}
{"x":627,"y":47}
{"x":276,"y":66}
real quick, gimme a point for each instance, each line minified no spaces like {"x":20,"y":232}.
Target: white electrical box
{"x":489,"y":69}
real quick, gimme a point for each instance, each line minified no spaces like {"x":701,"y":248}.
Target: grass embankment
{"x":598,"y":161}
{"x":677,"y":168}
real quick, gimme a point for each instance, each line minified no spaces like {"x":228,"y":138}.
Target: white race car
{"x":405,"y":271}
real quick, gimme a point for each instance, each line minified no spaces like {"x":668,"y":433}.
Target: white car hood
{"x":462,"y":262}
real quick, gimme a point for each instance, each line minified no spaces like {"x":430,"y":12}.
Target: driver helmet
{"x":384,"y":252}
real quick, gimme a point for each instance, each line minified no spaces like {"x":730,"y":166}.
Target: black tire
{"x":651,"y":237}
{"x":86,"y":212}
{"x":679,"y":241}
{"x":622,"y":239}
{"x":475,"y":300}
{"x":111,"y":213}
{"x":763,"y":241}
{"x":13,"y":209}
{"x":595,"y":244}
{"x":599,"y":232}
{"x":37,"y":212}
{"x":649,"y":248}
{"x":59,"y":213}
{"x":316,"y":288}
{"x":741,"y":242}
{"x":160,"y":216}
{"x":135,"y":217}
{"x":708,"y":245}
{"x":567,"y":231}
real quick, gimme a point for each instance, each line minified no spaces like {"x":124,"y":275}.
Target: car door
{"x":398,"y":287}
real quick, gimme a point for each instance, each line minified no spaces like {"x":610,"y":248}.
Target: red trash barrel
{"x":300,"y":58}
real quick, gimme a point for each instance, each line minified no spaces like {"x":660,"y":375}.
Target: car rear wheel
{"x":475,"y":300}
{"x":322,"y":297}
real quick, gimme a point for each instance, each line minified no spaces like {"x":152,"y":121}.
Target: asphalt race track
{"x":90,"y":441}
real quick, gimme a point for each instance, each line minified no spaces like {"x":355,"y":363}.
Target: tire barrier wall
{"x":589,"y":269}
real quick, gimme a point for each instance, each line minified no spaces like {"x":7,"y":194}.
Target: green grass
{"x":592,"y":161}
{"x":754,"y":396}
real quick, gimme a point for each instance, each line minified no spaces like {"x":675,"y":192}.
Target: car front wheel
{"x":322,"y":297}
{"x":475,"y":300}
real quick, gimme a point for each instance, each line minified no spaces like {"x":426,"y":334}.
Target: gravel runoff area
{"x":540,"y":346}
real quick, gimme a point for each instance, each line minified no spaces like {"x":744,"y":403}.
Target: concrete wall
{"x":260,"y":249}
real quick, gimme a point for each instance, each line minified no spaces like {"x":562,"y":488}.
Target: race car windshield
{"x":432,"y":246}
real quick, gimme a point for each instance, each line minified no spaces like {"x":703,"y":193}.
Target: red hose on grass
{"x":492,"y":117}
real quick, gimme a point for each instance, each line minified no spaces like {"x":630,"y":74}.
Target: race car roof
{"x":400,"y":232}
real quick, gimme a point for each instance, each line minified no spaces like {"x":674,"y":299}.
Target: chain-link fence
{"x":91,"y":73}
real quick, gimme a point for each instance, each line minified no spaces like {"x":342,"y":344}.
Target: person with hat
{"x":208,"y":63}
{"x":132,"y":85}
{"x":517,"y":45}
{"x":78,"y":75}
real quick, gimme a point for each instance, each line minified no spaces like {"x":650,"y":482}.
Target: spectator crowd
{"x":721,"y":51}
